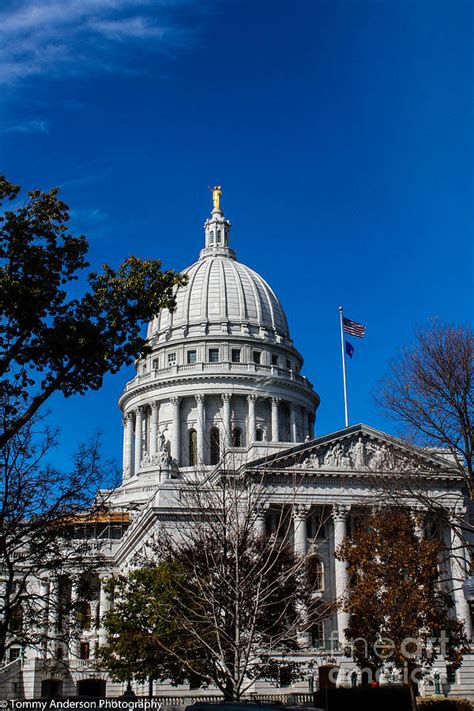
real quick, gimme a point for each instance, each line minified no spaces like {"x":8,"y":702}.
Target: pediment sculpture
{"x":362,"y":453}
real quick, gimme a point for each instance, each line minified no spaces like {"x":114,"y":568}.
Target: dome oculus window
{"x":213,"y":355}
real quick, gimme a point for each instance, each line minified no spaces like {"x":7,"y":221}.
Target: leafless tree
{"x":40,"y":510}
{"x":246,"y":602}
{"x":429,"y":390}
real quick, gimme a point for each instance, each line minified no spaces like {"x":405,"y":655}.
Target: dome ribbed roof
{"x":220,"y":289}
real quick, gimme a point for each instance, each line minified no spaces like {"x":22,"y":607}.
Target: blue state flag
{"x":349,"y":349}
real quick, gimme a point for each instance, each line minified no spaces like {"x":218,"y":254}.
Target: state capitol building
{"x":224,"y":378}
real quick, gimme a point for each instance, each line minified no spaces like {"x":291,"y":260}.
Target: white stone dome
{"x":220,"y":289}
{"x":222,"y":296}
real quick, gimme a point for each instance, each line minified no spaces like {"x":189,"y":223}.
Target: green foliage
{"x":50,"y":342}
{"x":396,"y":593}
{"x":145,"y":637}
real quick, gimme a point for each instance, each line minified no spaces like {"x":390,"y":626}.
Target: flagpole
{"x":346,"y":411}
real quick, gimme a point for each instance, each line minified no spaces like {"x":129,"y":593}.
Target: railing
{"x":242,"y":368}
{"x":181,"y":700}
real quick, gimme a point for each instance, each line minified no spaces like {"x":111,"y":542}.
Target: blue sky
{"x":341,"y":133}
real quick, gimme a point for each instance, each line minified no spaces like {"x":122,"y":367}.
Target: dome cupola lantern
{"x":217,"y":230}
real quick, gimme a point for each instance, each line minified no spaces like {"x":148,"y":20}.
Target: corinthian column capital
{"x":340,"y":512}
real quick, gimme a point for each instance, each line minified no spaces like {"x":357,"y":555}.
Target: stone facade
{"x":224,"y":380}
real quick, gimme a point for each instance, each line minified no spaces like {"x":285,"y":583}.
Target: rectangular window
{"x":85,"y":650}
{"x":450,"y":674}
{"x":195,"y":681}
{"x":285,"y":676}
{"x":14,"y":653}
{"x":235,"y":355}
{"x":317,"y":635}
{"x":213,"y":355}
{"x":171,"y":358}
{"x":257,"y":356}
{"x":274,"y":359}
{"x":155,"y":364}
{"x":288,"y":364}
{"x":192,"y":356}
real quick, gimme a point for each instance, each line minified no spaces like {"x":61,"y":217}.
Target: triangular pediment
{"x":358,"y":449}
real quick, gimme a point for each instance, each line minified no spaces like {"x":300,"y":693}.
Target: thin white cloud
{"x":56,"y":37}
{"x":91,"y":215}
{"x":32,"y":126}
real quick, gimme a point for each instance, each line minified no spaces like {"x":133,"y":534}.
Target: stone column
{"x":44,"y":605}
{"x":201,"y":424}
{"x":459,"y":573}
{"x":300,"y":544}
{"x":418,"y":523}
{"x":275,"y":419}
{"x":53,"y":609}
{"x":260,"y":521}
{"x":293,"y":430}
{"x":138,"y":437}
{"x":300,"y":536}
{"x":226,"y":421}
{"x":154,"y":427}
{"x":339,"y":515}
{"x":175,"y":429}
{"x":251,"y":400}
{"x":75,"y":643}
{"x":128,"y":446}
{"x":104,"y":606}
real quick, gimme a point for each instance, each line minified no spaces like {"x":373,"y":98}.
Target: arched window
{"x":215,"y":454}
{"x":219,"y":236}
{"x":316,"y":573}
{"x":237,"y":437}
{"x":192,"y":448}
{"x":259,"y":435}
{"x":212,"y":237}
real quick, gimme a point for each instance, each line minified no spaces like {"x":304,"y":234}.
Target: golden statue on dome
{"x":216,"y":196}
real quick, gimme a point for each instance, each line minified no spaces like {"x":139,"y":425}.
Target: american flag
{"x":354,"y":328}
